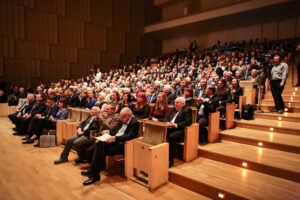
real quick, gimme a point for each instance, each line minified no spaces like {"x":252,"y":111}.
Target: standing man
{"x":279,"y":73}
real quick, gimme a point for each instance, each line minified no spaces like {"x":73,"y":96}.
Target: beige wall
{"x":44,"y":40}
{"x":280,"y":29}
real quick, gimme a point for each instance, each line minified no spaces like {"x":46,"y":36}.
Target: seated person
{"x":115,"y":100}
{"x":25,"y":108}
{"x":91,"y":100}
{"x":38,"y":121}
{"x":141,"y":109}
{"x":151,"y":98}
{"x":167,"y":89}
{"x":82,"y":135}
{"x":127,"y":101}
{"x":188,"y":95}
{"x":179,"y":117}
{"x":224,"y":96}
{"x":22,"y":123}
{"x":128,"y":129}
{"x":107,"y":121}
{"x":83,"y":100}
{"x":73,"y":99}
{"x":50,"y":123}
{"x":205,"y":106}
{"x":3,"y":97}
{"x":101,"y":100}
{"x":160,"y":111}
{"x":236,"y":91}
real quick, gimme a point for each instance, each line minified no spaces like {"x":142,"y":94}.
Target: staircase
{"x":258,"y":159}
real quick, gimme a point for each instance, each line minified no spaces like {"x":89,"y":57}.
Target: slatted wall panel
{"x":110,"y":59}
{"x":7,"y":47}
{"x":101,"y":12}
{"x":62,"y":53}
{"x":31,"y":50}
{"x":133,"y":44}
{"x":120,"y":15}
{"x":95,"y":37}
{"x":51,"y":6}
{"x":89,"y":56}
{"x":1,"y":67}
{"x":70,"y":32}
{"x":79,"y":9}
{"x":78,"y":70}
{"x":54,"y":70}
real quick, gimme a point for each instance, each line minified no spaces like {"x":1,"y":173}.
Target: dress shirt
{"x":280,"y":72}
{"x":123,"y":128}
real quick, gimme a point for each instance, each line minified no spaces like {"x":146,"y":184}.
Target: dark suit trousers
{"x":174,"y":136}
{"x":276,"y":93}
{"x":22,"y":125}
{"x":37,"y":125}
{"x":103,"y":149}
{"x":13,"y":117}
{"x":203,"y":122}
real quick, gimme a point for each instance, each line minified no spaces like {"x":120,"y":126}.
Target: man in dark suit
{"x":200,"y":91}
{"x":37,"y":122}
{"x":179,"y":117}
{"x":205,"y":106}
{"x":73,"y":100}
{"x":151,"y":98}
{"x":38,"y":108}
{"x":22,"y":93}
{"x":82,"y":136}
{"x":170,"y":95}
{"x":25,"y":108}
{"x":128,"y":129}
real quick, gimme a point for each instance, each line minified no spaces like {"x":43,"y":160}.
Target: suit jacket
{"x":183,"y":119}
{"x":74,"y":101}
{"x":22,"y":95}
{"x":153,"y":100}
{"x":199,"y":90}
{"x":26,"y":108}
{"x":131,"y":131}
{"x":110,"y":122}
{"x":38,"y":108}
{"x":92,"y":126}
{"x":50,"y":111}
{"x":171,"y":98}
{"x":210,"y":106}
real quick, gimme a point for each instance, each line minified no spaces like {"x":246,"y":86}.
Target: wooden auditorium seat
{"x":229,"y":121}
{"x":3,"y":109}
{"x":72,"y":126}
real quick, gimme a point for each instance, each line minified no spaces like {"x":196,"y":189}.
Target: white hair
{"x":126,"y":111}
{"x":181,"y":99}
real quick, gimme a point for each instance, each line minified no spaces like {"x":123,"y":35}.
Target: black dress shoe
{"x":92,"y":180}
{"x":78,"y":160}
{"x":280,"y":111}
{"x":15,"y":129}
{"x":36,"y":145}
{"x":56,"y":162}
{"x":28,"y":142}
{"x":171,"y":163}
{"x":17,"y":133}
{"x":87,"y":173}
{"x":26,"y":138}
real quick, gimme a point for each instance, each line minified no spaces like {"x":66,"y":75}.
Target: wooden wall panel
{"x":89,"y":56}
{"x":70,"y":32}
{"x":133,"y":44}
{"x":1,"y":66}
{"x":109,"y":59}
{"x":61,"y":54}
{"x":95,"y":37}
{"x":101,"y":12}
{"x":32,"y":50}
{"x":51,"y":6}
{"x":47,"y":23}
{"x":137,"y":9}
{"x":7,"y":47}
{"x":79,"y":9}
{"x":54,"y":70}
{"x":79,"y":70}
{"x":287,"y":28}
{"x":11,"y":20}
{"x":115,"y":41}
{"x":120,"y":15}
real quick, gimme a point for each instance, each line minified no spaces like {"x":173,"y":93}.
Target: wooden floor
{"x":29,"y":173}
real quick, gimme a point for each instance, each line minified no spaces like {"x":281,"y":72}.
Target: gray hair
{"x":126,"y":111}
{"x":181,"y":99}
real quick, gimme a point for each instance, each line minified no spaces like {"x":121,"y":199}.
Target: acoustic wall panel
{"x":137,"y":22}
{"x":79,"y":9}
{"x":51,"y":6}
{"x":120,"y":15}
{"x":70,"y":32}
{"x":78,"y":70}
{"x":7,"y":47}
{"x":30,"y":50}
{"x":1,"y":67}
{"x":89,"y":56}
{"x":95,"y":37}
{"x":63,"y":54}
{"x":54,"y":70}
{"x":101,"y":12}
{"x":109,"y":59}
{"x":133,"y":44}
{"x":115,"y":41}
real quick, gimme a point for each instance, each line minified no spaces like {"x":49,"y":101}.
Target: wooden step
{"x":265,"y":139}
{"x":286,"y":102}
{"x":291,"y":117}
{"x":284,"y":97}
{"x":269,"y":161}
{"x":292,"y":109}
{"x":212,"y":178}
{"x":271,"y":125}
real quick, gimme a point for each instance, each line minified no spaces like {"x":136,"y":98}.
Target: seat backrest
{"x":155,"y":132}
{"x":85,"y":114}
{"x":194,"y":114}
{"x":76,"y":115}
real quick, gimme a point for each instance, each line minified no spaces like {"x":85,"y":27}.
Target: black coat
{"x":183,"y":119}
{"x":38,"y":108}
{"x":50,"y":111}
{"x":131,"y":131}
{"x":210,"y":106}
{"x":74,"y":101}
{"x":92,"y":126}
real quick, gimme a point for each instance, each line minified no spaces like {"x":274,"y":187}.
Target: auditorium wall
{"x":45,"y":40}
{"x":277,"y":29}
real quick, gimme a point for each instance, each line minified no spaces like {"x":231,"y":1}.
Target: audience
{"x":160,"y":111}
